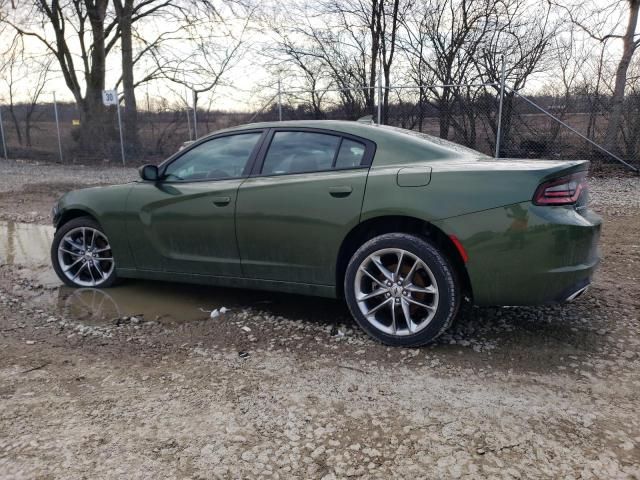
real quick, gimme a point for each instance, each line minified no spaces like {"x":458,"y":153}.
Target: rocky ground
{"x":282,"y":386}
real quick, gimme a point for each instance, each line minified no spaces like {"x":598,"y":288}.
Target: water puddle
{"x":26,"y":246}
{"x":24,"y":243}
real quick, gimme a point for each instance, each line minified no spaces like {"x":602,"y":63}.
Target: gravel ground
{"x":284,"y":386}
{"x":39,"y":185}
{"x":15,"y":175}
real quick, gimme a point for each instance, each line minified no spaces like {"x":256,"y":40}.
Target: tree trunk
{"x":16,"y":123}
{"x":444,"y":113}
{"x":94,"y":133}
{"x":376,"y":6}
{"x":130,"y":117}
{"x":617,"y":100}
{"x":27,"y":130}
{"x":94,"y":129}
{"x":385,"y":102}
{"x":507,"y":122}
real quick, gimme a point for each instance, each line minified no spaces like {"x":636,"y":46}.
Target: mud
{"x":26,"y":247}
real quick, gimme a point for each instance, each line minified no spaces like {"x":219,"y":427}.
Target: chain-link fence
{"x":474,"y":115}
{"x":51,"y":131}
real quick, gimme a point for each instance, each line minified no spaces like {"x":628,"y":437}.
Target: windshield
{"x":437,"y":141}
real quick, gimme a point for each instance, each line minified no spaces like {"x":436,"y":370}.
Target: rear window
{"x":301,"y":152}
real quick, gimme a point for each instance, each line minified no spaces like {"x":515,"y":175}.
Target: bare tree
{"x":346,"y":42}
{"x":373,"y":24}
{"x":521,"y":36}
{"x":629,"y":45}
{"x":64,"y":28}
{"x":206,"y":48}
{"x":81,"y":34}
{"x":128,"y":13}
{"x":595,"y":19}
{"x":29,"y":75}
{"x":441,"y":40}
{"x":304,"y":73}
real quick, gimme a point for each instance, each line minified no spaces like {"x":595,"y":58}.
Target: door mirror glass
{"x":149,"y":173}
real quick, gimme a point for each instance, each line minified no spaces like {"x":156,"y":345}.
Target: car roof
{"x":393,"y":145}
{"x":363,"y":129}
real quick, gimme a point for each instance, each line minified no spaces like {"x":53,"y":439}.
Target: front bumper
{"x":524,"y":254}
{"x":55,"y":215}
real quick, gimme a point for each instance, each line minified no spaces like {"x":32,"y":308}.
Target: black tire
{"x":59,"y":235}
{"x":448,"y":287}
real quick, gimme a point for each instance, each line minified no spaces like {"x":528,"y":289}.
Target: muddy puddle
{"x":25,"y":247}
{"x":24,"y":243}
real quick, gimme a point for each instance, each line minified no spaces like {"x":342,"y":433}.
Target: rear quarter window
{"x":350,"y":155}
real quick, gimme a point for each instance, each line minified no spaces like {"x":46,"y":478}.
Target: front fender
{"x":107,"y":205}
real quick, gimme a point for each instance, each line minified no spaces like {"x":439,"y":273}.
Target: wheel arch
{"x":376,"y":226}
{"x":71,"y":213}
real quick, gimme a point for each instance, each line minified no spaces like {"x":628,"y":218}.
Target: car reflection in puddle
{"x":26,"y":246}
{"x":157,"y":301}
{"x":177,"y":302}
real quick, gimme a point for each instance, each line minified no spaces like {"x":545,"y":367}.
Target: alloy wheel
{"x":396,"y":291}
{"x":85,"y":257}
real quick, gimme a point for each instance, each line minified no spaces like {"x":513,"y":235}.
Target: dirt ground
{"x":139,"y":382}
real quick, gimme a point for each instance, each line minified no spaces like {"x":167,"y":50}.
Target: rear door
{"x":303,"y":197}
{"x":185,"y":222}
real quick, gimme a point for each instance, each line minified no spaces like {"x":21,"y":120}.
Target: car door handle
{"x":221,"y":201}
{"x":340,"y":191}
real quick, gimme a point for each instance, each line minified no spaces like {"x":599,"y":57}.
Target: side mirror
{"x":149,"y":173}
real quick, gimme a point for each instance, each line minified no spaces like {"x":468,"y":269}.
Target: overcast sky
{"x":250,"y":83}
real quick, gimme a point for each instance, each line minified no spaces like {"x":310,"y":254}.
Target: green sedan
{"x":402,"y":225}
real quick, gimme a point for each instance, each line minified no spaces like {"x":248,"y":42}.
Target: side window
{"x":222,"y":157}
{"x":350,"y":154}
{"x":295,"y":152}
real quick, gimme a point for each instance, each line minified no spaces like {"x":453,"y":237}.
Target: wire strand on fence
{"x":569,"y":127}
{"x":501,"y":101}
{"x":2,"y":137}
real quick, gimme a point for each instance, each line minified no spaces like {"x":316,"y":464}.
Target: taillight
{"x":561,"y":191}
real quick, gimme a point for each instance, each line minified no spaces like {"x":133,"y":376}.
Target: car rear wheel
{"x":81,"y":254}
{"x":401,"y":290}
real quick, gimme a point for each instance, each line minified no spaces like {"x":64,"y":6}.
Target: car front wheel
{"x":81,"y":254}
{"x":401,"y":290}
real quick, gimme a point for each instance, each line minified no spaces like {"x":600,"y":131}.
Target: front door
{"x":294,"y":212}
{"x":185,"y":222}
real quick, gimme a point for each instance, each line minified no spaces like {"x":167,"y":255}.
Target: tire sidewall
{"x":57,"y":238}
{"x":444,"y":274}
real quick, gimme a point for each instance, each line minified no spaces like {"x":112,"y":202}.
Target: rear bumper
{"x":524,"y":254}
{"x":574,"y":292}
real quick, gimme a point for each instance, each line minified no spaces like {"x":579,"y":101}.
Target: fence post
{"x":195,"y":115}
{"x":279,"y":100}
{"x":500,"y":101}
{"x":55,"y":111}
{"x":379,"y":89}
{"x":120,"y":128}
{"x":189,"y":121}
{"x":4,"y":142}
